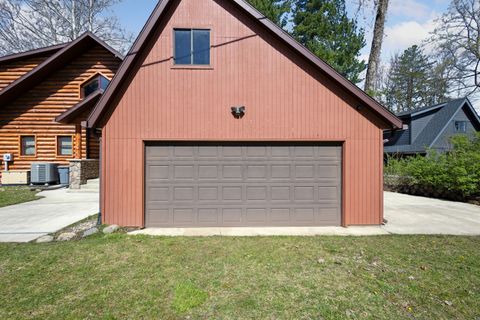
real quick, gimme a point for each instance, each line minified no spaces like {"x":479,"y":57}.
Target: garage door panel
{"x":184,"y":172}
{"x":304,"y":215}
{"x":280,"y":194}
{"x":208,"y":152}
{"x":208,"y":194}
{"x":159,"y":194}
{"x":257,"y":172}
{"x":279,"y":216}
{"x":304,"y":193}
{"x":160,"y":217}
{"x":328,"y":193}
{"x":206,"y":172}
{"x":242,"y":185}
{"x":184,"y":216}
{"x":232,"y":171}
{"x":256,"y":216}
{"x":231,"y":216}
{"x":208,"y":216}
{"x":327,"y":214}
{"x":232,"y":193}
{"x":183,"y":194}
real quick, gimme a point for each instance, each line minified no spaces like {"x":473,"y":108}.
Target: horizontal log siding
{"x":11,"y":71}
{"x":285,"y":98}
{"x":34,"y":112}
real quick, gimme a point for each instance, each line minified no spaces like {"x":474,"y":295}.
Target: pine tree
{"x":324,"y":27}
{"x":414,"y":81}
{"x":275,"y":10}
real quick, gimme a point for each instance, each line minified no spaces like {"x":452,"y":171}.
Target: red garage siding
{"x":286,"y":99}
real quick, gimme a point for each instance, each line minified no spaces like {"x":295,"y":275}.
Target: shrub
{"x":455,"y":174}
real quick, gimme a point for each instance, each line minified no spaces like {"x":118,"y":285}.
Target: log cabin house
{"x":45,"y":94}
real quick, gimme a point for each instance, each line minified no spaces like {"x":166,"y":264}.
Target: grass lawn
{"x":14,"y":195}
{"x":119,"y":276}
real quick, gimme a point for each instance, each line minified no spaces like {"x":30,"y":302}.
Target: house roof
{"x":32,"y":53}
{"x":418,"y":111}
{"x":436,"y":125}
{"x":72,"y":114}
{"x":145,"y":35}
{"x":53,"y":63}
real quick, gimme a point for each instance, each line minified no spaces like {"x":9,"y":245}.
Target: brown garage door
{"x":244,"y":184}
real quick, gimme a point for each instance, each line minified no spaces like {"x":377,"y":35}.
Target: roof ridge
{"x":37,"y":73}
{"x":32,"y":52}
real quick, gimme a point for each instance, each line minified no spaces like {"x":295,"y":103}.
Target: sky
{"x":409,"y":22}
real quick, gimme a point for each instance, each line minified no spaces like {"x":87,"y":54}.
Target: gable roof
{"x":435,"y":127}
{"x":162,"y":7}
{"x":53,"y":63}
{"x":31,"y":53}
{"x":419,"y":111}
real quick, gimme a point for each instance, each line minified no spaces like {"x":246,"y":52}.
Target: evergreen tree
{"x":275,"y":10}
{"x":414,"y":81}
{"x":324,"y":27}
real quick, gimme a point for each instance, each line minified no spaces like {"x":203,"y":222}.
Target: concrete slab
{"x":262,"y":231}
{"x":28,"y":221}
{"x":408,"y":214}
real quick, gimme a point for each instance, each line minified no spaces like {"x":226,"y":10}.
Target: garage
{"x":242,"y":185}
{"x":256,"y":131}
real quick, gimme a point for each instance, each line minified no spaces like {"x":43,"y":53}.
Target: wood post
{"x":78,"y":141}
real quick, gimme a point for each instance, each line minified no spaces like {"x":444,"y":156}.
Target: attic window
{"x":192,"y":47}
{"x":94,"y":84}
{"x":460,"y":126}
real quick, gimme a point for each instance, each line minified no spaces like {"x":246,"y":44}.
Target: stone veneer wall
{"x":81,"y":170}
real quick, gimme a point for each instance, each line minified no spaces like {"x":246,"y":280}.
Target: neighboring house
{"x":432,"y":128}
{"x":218,"y":118}
{"x":45,"y":94}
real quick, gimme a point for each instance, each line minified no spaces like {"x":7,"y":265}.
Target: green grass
{"x":125,"y":277}
{"x":15,"y":195}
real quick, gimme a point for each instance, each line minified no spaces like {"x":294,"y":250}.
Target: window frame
{"x":96,"y":76}
{"x":191,"y":65}
{"x":20,"y":145}
{"x":464,"y":126}
{"x":57,"y":146}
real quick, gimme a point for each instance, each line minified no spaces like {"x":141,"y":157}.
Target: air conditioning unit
{"x":44,"y":173}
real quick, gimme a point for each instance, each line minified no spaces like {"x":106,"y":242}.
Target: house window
{"x":96,"y":83}
{"x":192,"y":47}
{"x":460,"y":126}
{"x":27,"y":146}
{"x":64,"y":146}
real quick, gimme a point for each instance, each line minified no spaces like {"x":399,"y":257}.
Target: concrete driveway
{"x":418,"y":215}
{"x":28,"y":221}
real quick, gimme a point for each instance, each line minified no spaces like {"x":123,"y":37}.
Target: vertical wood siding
{"x":34,"y":112}
{"x":286,"y":99}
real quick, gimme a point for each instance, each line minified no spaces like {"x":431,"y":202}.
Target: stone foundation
{"x":82,"y":170}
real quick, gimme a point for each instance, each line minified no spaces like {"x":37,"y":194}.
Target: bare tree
{"x":376,"y":48}
{"x":457,"y":41}
{"x":29,"y":24}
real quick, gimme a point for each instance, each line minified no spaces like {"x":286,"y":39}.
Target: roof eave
{"x":31,"y":53}
{"x":71,"y":114}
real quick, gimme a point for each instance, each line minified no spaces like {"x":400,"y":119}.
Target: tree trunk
{"x":374,"y":58}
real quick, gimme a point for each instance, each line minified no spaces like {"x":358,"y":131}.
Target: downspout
{"x":99,"y":221}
